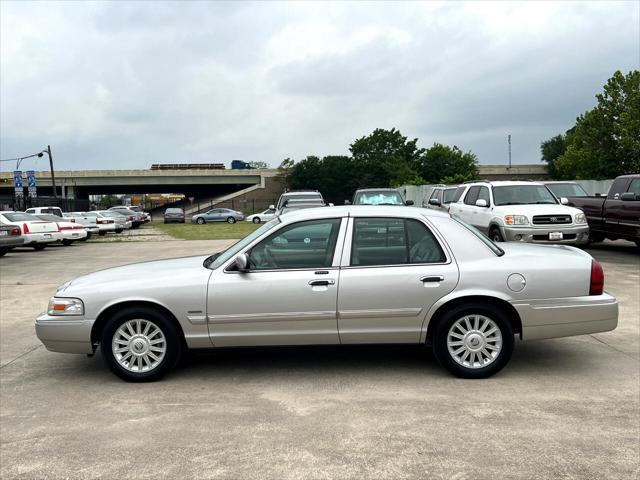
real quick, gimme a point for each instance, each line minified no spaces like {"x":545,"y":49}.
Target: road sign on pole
{"x":17,"y":183}
{"x":31,"y":183}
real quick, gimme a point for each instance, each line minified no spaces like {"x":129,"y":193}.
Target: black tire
{"x":119,"y":230}
{"x":441,"y":333}
{"x":495,"y":235}
{"x":201,"y":221}
{"x":3,"y":251}
{"x":40,"y":246}
{"x":596,"y":238}
{"x":66,"y":243}
{"x":231,"y":220}
{"x":102,"y":234}
{"x":637,"y":243}
{"x":256,"y":220}
{"x":169,"y":330}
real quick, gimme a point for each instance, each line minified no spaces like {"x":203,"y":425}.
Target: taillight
{"x":596,"y":286}
{"x":25,"y":228}
{"x":15,"y":231}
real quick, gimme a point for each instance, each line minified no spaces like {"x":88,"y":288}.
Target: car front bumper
{"x":563,"y":317}
{"x":571,"y":234}
{"x":65,"y":334}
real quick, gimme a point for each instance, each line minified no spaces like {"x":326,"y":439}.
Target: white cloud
{"x":115,"y":84}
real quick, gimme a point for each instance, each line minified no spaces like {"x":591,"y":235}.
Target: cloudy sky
{"x":127,"y":84}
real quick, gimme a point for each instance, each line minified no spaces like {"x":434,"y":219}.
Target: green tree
{"x":284,"y":172}
{"x":605,"y":141}
{"x":551,"y":150}
{"x":385,"y":158}
{"x":444,"y":164}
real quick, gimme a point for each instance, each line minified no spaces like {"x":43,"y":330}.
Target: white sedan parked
{"x":71,"y":231}
{"x":262,"y":217}
{"x":336,"y":275}
{"x":36,"y":232}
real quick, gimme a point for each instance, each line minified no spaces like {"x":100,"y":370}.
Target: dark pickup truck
{"x":616,"y":216}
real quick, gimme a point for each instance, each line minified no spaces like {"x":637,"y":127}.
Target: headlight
{"x":65,"y":306}
{"x":581,"y":218}
{"x":516,"y":220}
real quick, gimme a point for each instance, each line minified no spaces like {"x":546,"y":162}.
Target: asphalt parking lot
{"x":566,"y":408}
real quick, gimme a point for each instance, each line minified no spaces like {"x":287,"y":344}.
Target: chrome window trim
{"x":336,"y":255}
{"x":346,"y":252}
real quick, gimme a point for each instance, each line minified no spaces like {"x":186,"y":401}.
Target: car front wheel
{"x":473,"y":341}
{"x":495,"y":235}
{"x":140,"y":345}
{"x":256,"y":220}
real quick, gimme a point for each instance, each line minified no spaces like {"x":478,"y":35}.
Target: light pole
{"x":39,"y":155}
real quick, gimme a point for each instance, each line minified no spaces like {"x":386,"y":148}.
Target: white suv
{"x":519,"y":211}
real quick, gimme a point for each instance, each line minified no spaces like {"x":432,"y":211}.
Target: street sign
{"x":17,"y":183}
{"x":31,"y":183}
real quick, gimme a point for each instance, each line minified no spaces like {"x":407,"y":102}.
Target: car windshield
{"x":214,"y":261}
{"x":299,"y":196}
{"x":385,"y":197}
{"x":483,"y":238}
{"x":567,"y":190}
{"x":522,"y":195}
{"x":449,"y":193}
{"x":21,"y":217}
{"x":299,"y":206}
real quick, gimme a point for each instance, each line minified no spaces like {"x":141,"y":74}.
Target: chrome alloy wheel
{"x":474,"y":341}
{"x":139,"y":345}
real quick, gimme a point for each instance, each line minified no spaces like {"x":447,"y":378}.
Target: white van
{"x":45,"y":211}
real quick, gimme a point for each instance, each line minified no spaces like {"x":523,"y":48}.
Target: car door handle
{"x":432,"y":279}
{"x":322,"y":283}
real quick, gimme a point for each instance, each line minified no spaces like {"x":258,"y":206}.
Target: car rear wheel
{"x":66,"y":243}
{"x":473,"y":341}
{"x":200,"y":221}
{"x":3,"y":251}
{"x":41,"y":246}
{"x":140,"y":345}
{"x":231,"y":220}
{"x":495,"y":235}
{"x":102,"y":234}
{"x":119,"y":230}
{"x":256,"y":220}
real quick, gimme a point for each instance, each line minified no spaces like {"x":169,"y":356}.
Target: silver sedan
{"x":336,"y":275}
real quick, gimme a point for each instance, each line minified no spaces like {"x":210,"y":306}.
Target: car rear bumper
{"x":107,"y":227}
{"x":572,"y":235}
{"x":65,"y":335}
{"x":74,"y":234}
{"x":11,"y":241}
{"x":563,"y":317}
{"x":46,"y":237}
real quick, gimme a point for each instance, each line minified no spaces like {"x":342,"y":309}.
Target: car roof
{"x":361,"y":211}
{"x":505,"y":183}
{"x":381,"y":189}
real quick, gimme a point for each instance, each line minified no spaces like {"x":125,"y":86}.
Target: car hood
{"x":136,"y":275}
{"x":541,"y":209}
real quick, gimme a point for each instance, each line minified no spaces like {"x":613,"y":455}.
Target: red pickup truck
{"x":616,"y":216}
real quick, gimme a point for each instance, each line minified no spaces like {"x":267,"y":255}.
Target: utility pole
{"x":53,"y":176}
{"x":509,"y":140}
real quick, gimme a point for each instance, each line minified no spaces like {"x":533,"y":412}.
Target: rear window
{"x":21,"y":217}
{"x":173,"y":210}
{"x":383,"y":197}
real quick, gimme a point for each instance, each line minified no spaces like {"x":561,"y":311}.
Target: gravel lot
{"x":565,"y":408}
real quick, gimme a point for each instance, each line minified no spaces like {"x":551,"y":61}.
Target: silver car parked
{"x":336,"y":275}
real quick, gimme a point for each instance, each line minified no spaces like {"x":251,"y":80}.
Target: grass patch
{"x":208,"y":231}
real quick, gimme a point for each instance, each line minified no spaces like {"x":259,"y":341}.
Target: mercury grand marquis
{"x":336,"y":275}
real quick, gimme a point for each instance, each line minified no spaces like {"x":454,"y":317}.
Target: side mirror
{"x":272,"y":207}
{"x":481,"y":203}
{"x":435,"y":201}
{"x":242,"y":262}
{"x":347,"y":202}
{"x":408,"y":203}
{"x":628,"y":196}
{"x":564,"y":200}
